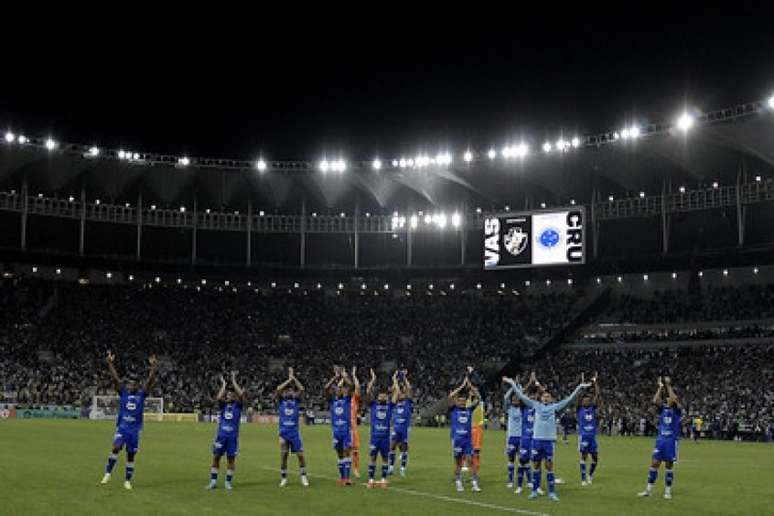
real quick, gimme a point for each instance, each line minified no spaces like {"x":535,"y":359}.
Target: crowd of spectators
{"x":52,"y":349}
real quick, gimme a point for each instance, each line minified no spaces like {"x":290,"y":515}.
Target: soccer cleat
{"x":390,"y":470}
{"x":283,"y":482}
{"x":668,"y":494}
{"x":540,"y":492}
{"x":304,"y":481}
{"x":518,"y":490}
{"x":228,"y":486}
{"x":474,"y":487}
{"x":584,"y":483}
{"x":105,"y":479}
{"x":509,"y":485}
{"x":370,"y":484}
{"x":212,"y":485}
{"x":643,"y":494}
{"x":553,"y":497}
{"x":127,"y":485}
{"x":589,"y":480}
{"x":403,"y":472}
{"x":532,"y":495}
{"x":459,"y":485}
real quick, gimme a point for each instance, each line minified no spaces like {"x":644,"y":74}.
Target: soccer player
{"x":288,"y":394}
{"x":544,"y":437}
{"x":381,"y":414}
{"x":339,"y":391}
{"x":401,"y":420}
{"x":667,"y":439}
{"x":513,"y":433}
{"x":355,"y":411}
{"x":230,"y":403}
{"x":525,"y":444}
{"x":131,"y":406}
{"x":477,"y":431}
{"x":461,"y":416}
{"x":588,"y":422}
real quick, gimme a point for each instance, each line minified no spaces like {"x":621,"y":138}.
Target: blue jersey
{"x":587,"y":421}
{"x":527,"y":422}
{"x":401,"y":415}
{"x":230,"y":417}
{"x":514,"y":415}
{"x":130,"y":410}
{"x":381,"y":414}
{"x":669,"y":423}
{"x":341,"y":408}
{"x":545,"y":415}
{"x":288,"y":410}
{"x":461,"y":421}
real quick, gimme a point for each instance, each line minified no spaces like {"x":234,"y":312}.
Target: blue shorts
{"x":512,"y":446}
{"x":379,"y":446}
{"x":462,"y":448}
{"x":293,"y":440}
{"x":342,"y":440}
{"x":400,"y":436}
{"x":525,"y":449}
{"x":665,"y":450}
{"x":542,"y":449}
{"x":228,"y":444}
{"x":128,"y":438}
{"x":587,"y":444}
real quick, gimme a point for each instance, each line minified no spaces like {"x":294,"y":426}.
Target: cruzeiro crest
{"x":515,"y":241}
{"x":549,"y":238}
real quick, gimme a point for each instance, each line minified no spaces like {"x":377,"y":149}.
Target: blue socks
{"x":583,"y":470}
{"x":652,"y":475}
{"x":510,"y":472}
{"x":230,"y":475}
{"x":536,"y":480}
{"x":593,"y":468}
{"x":550,"y":477}
{"x":213,"y":474}
{"x":403,"y":459}
{"x":347,"y":468}
{"x":670,"y":475}
{"x":384,"y":471}
{"x":129,"y":470}
{"x":522,"y":474}
{"x":392,"y":458}
{"x":342,"y":469}
{"x":111,"y":463}
{"x":371,"y":471}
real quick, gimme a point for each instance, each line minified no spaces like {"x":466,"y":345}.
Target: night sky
{"x":295,"y":85}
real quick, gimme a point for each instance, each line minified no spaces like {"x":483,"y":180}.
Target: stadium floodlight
{"x":296,"y":285}
{"x":184,"y":161}
{"x":492,"y":154}
{"x":182,"y":209}
{"x":121,"y":154}
{"x":157,"y":279}
{"x":136,"y":156}
{"x":260,"y":165}
{"x":616,"y":135}
{"x":108,"y":275}
{"x":572,"y":202}
{"x":478,"y":210}
{"x":410,"y":162}
{"x":620,"y":279}
{"x":634,"y":132}
{"x":502,"y":285}
{"x":339,"y":166}
{"x":506,"y":152}
{"x":610,"y":198}
{"x":456,"y":220}
{"x":755,"y":270}
{"x":50,"y":144}
{"x":414,"y":222}
{"x":701,"y":273}
{"x":363,"y":286}
{"x":644,"y":277}
{"x":59,"y":271}
{"x":771,"y":102}
{"x":431,"y":286}
{"x":522,"y":150}
{"x":468,"y":156}
{"x":725,"y":272}
{"x":368,"y":214}
{"x":10,"y":137}
{"x":402,"y":163}
{"x":131,"y":277}
{"x":178,"y":281}
{"x":97,"y":201}
{"x":542,"y":205}
{"x":758,"y":179}
{"x":127,"y":205}
{"x":642,"y":195}
{"x":314,"y":214}
{"x":548,"y":283}
{"x":428,"y":219}
{"x":507,"y":208}
{"x":261,"y":213}
{"x":22,"y":139}
{"x":599,"y":281}
{"x":395,"y":163}
{"x":527,"y":283}
{"x":569,"y":281}
{"x":715,"y":184}
{"x":377,"y":164}
{"x":340,"y":286}
{"x":207,"y":211}
{"x":386,"y":286}
{"x":408,"y":287}
{"x":442,"y":220}
{"x":71,"y":198}
{"x":94,"y":151}
{"x":342,"y":214}
{"x":625,"y":133}
{"x":674,"y":275}
{"x":562,"y":145}
{"x":685,"y":122}
{"x":478,"y":286}
{"x":575,"y":142}
{"x":547,"y":147}
{"x":323,"y":166}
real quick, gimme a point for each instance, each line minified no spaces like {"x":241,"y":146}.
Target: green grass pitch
{"x":53,"y":467}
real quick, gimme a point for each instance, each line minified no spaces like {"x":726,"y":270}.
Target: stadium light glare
{"x":342,"y":214}
{"x":94,"y":151}
{"x":674,"y":275}
{"x":428,"y":219}
{"x":71,"y":198}
{"x":136,"y":156}
{"x":127,"y":205}
{"x":542,"y":205}
{"x":260,"y":165}
{"x":547,"y":147}
{"x":410,"y":162}
{"x":610,"y":198}
{"x":10,"y":137}
{"x":431,"y":286}
{"x":569,"y":281}
{"x":323,"y":166}
{"x":478,"y":286}
{"x":108,"y":275}
{"x":377,"y":164}
{"x":59,"y":271}
{"x":414,"y":221}
{"x":758,"y":179}
{"x":408,"y":287}
{"x":131,"y":277}
{"x":620,"y":279}
{"x":261,"y":213}
{"x":715,"y":184}
{"x":625,"y":133}
{"x":402,"y":163}
{"x":548,"y":283}
{"x":395,"y":163}
{"x":682,"y":189}
{"x":97,"y":201}
{"x":701,"y":273}
{"x":527,"y":283}
{"x":157,"y":279}
{"x":468,"y":156}
{"x":363,"y":286}
{"x":725,"y":272}
{"x":121,"y":154}
{"x":492,"y":154}
{"x":386,"y":286}
{"x":685,"y":122}
{"x":478,"y":210}
{"x":178,"y":281}
{"x":182,"y":209}
{"x":644,"y":277}
{"x":642,"y":195}
{"x":506,"y":152}
{"x":634,"y":132}
{"x":755,"y":270}
{"x":22,"y":139}
{"x":575,"y":142}
{"x":456,"y":220}
{"x":771,"y":102}
{"x":442,"y":220}
{"x":599,"y":281}
{"x":561,"y":145}
{"x":368,"y":214}
{"x":184,"y":161}
{"x":572,"y":202}
{"x":50,"y":144}
{"x":522,"y":150}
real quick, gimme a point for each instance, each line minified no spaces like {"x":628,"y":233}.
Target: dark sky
{"x":297,"y":84}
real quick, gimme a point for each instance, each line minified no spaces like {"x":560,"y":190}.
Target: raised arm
{"x":597,"y":396}
{"x":151,"y":381}
{"x":328,"y":389}
{"x":292,"y":376}
{"x":113,"y":374}
{"x":507,"y":398}
{"x":453,"y":394}
{"x":237,"y":389}
{"x":407,"y":385}
{"x":221,"y":395}
{"x":559,"y":405}
{"x":370,"y":388}
{"x":523,"y":397}
{"x":473,"y":395}
{"x":355,"y":382}
{"x":671,"y":395}
{"x":657,"y":397}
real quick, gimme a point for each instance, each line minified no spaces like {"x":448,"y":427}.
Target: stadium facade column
{"x":249,"y":250}
{"x":194,"y":225}
{"x":25,"y":210}
{"x":741,"y":210}
{"x":302,"y":242}
{"x":665,"y":219}
{"x":409,"y":245}
{"x":82,"y":233}
{"x":463,"y":233}
{"x":138,"y":249}
{"x":357,"y":233}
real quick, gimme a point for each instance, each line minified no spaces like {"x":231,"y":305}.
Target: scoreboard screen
{"x":535,"y":238}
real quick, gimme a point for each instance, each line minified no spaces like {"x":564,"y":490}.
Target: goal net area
{"x":106,"y":407}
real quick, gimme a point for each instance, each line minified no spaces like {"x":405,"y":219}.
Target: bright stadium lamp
{"x":685,"y":122}
{"x":184,"y":161}
{"x":323,"y":166}
{"x":642,"y":195}
{"x":94,"y":151}
{"x":50,"y":144}
{"x":377,"y":164}
{"x":442,"y":220}
{"x":260,"y":165}
{"x":468,"y":156}
{"x":610,"y":198}
{"x":414,"y":221}
{"x":572,"y":202}
{"x":522,"y":150}
{"x":136,"y":156}
{"x":492,"y":154}
{"x":10,"y":137}
{"x":543,"y":205}
{"x":575,"y":142}
{"x":682,"y":189}
{"x":428,"y":219}
{"x":771,"y":102}
{"x":456,"y":220}
{"x":634,"y":132}
{"x":410,"y":162}
{"x":22,"y":139}
{"x":547,"y":147}
{"x":121,"y":154}
{"x":625,"y":133}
